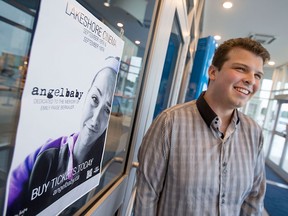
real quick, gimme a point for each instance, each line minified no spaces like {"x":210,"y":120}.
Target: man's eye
{"x":95,"y":100}
{"x":258,"y":76}
{"x":240,"y":69}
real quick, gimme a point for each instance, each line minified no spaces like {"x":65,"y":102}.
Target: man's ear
{"x":212,"y":72}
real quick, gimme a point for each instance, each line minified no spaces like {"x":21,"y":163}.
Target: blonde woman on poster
{"x":60,"y":165}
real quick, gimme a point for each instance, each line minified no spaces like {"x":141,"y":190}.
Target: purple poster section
{"x":65,"y":110}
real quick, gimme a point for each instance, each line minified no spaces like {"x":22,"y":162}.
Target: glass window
{"x":135,"y":16}
{"x":282,"y":119}
{"x":16,"y":21}
{"x":166,"y":82}
{"x":277,"y":149}
{"x":280,"y":79}
{"x":256,"y":108}
{"x":20,"y":16}
{"x":285,"y":162}
{"x":271,"y":113}
{"x":267,"y":137}
{"x":272,"y":94}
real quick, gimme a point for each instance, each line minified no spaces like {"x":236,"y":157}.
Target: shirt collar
{"x":208,"y":114}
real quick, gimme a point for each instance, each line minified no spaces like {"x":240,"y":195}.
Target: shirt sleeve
{"x":153,"y":158}
{"x":254,"y":204}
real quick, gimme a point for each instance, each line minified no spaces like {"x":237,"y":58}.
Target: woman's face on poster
{"x":98,"y":106}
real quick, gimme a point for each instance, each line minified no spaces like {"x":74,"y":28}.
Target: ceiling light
{"x":271,"y":63}
{"x":137,"y":42}
{"x":227,"y":4}
{"x":217,"y":37}
{"x":107,"y":3}
{"x":120,"y":25}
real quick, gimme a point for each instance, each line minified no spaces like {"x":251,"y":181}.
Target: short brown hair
{"x":221,"y":53}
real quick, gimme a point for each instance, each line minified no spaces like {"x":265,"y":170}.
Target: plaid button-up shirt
{"x":188,"y":167}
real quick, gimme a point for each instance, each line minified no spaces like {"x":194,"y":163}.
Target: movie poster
{"x":65,"y":110}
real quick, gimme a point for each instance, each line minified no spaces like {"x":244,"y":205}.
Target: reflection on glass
{"x":277,"y":149}
{"x":15,"y":39}
{"x":22,"y":18}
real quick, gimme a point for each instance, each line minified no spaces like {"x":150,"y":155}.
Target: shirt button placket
{"x":223,"y":179}
{"x":224,"y":174}
{"x":224,"y":168}
{"x":223,"y":198}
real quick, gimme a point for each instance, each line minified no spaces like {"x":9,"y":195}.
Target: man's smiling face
{"x":238,"y":79}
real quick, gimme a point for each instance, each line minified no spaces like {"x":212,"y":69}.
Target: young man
{"x":205,"y":157}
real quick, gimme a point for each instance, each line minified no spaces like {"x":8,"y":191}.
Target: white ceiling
{"x":267,"y":17}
